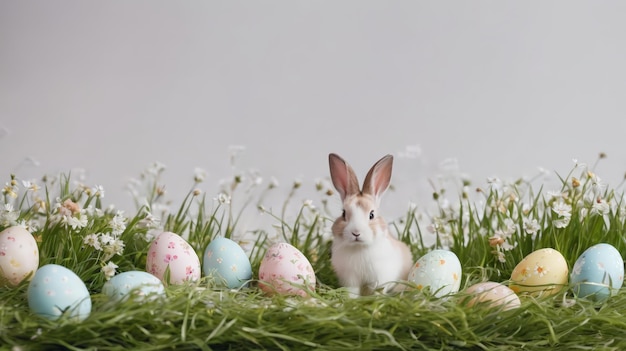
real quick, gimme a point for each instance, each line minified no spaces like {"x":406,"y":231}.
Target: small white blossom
{"x":562,"y":209}
{"x":600,"y":208}
{"x":117,"y":223}
{"x":199,"y":175}
{"x":531,"y":226}
{"x":98,"y":191}
{"x":561,"y":222}
{"x":92,"y":240}
{"x":109,"y":270}
{"x":223,"y":199}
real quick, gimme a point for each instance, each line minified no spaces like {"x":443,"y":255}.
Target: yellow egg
{"x":541,"y":273}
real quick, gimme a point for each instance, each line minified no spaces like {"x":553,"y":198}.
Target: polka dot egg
{"x":55,"y":290}
{"x":439,"y":271}
{"x":141,"y":285}
{"x":227,"y":263}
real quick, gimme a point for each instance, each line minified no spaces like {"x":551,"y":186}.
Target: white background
{"x":503,"y":87}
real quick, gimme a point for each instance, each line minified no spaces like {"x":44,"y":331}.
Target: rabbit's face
{"x":359,"y":223}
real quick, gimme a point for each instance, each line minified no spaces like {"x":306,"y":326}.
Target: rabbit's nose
{"x":356,"y":235}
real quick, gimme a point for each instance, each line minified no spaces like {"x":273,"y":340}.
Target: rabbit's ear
{"x":378,"y":178}
{"x":343,"y":176}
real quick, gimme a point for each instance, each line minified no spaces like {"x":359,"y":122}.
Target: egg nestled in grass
{"x":227,"y":263}
{"x":170,"y":253}
{"x":598,"y":272}
{"x":19,"y":255}
{"x":541,"y":273}
{"x":439,"y":271}
{"x":55,"y":290}
{"x":285,"y":270}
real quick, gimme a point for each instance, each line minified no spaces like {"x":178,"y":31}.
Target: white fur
{"x":365,"y":256}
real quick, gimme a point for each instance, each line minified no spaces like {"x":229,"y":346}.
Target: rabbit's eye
{"x":372,"y":214}
{"x":343,"y":214}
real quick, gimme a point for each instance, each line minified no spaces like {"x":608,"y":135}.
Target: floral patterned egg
{"x":54,"y":290}
{"x":438,"y":270}
{"x":19,"y":255}
{"x":285,"y":270}
{"x":542,"y":272}
{"x":170,"y":251}
{"x":598,"y":273}
{"x":493,"y":295}
{"x":226,"y":261}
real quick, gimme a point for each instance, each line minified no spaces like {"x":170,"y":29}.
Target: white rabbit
{"x":365,"y":256}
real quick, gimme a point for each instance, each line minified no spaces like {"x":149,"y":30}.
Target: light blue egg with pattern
{"x":227,"y":263}
{"x":598,"y":272}
{"x":141,"y":285}
{"x":54,"y":290}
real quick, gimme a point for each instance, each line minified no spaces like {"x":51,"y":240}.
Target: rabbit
{"x":364,"y":254}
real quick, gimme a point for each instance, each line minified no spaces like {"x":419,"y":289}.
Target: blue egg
{"x":226,"y":261}
{"x":55,"y":289}
{"x":142,"y":285}
{"x":598,"y":273}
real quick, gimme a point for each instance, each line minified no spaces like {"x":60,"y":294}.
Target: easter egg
{"x":226,"y":261}
{"x":542,"y":272}
{"x":171,"y":253}
{"x":598,"y":273}
{"x":439,"y":271}
{"x":142,"y":285}
{"x":55,"y":289}
{"x":19,"y":255}
{"x":493,"y":295}
{"x":285,"y":270}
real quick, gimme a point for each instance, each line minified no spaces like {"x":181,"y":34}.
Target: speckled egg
{"x":142,"y":285}
{"x":492,"y":294}
{"x":439,"y":271}
{"x":19,"y":255}
{"x":227,"y":263}
{"x":598,"y":273}
{"x":55,"y":289}
{"x":170,"y":251}
{"x":543,"y":272}
{"x":284,"y":270}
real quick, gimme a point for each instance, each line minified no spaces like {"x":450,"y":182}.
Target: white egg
{"x":19,"y":255}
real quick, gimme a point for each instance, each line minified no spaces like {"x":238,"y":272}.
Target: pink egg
{"x":285,"y":270}
{"x":170,"y":250}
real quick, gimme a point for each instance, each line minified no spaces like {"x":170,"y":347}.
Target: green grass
{"x":201,"y":316}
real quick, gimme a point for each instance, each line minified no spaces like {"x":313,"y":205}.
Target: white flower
{"x":600,"y":207}
{"x":273,"y":183}
{"x":105,"y":238}
{"x":75,"y":222}
{"x":561,"y":222}
{"x":199,"y":175}
{"x":562,"y":209}
{"x":109,"y":270}
{"x":495,"y":184}
{"x":8,"y":217}
{"x":223,"y":199}
{"x":117,"y":223}
{"x":308,"y":203}
{"x":554,"y":194}
{"x":92,"y":240}
{"x":531,"y":226}
{"x":98,"y":191}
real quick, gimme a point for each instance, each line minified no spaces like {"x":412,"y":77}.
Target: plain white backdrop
{"x":502,"y":87}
